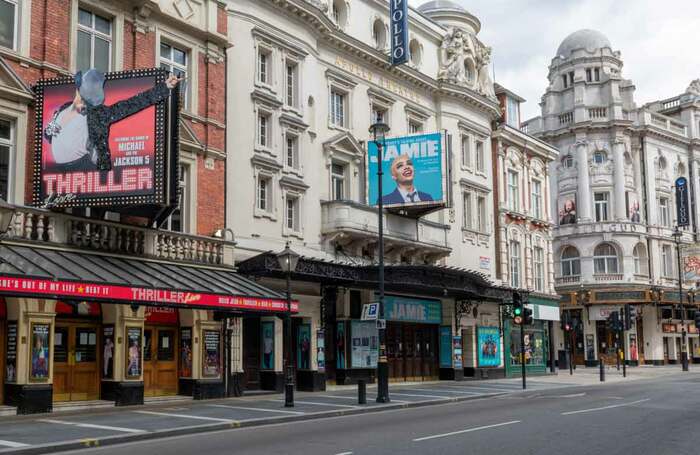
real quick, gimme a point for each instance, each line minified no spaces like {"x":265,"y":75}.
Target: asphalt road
{"x":653,"y":417}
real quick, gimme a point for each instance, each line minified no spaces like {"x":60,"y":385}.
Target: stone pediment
{"x":188,"y":137}
{"x":344,"y":144}
{"x":12,"y":86}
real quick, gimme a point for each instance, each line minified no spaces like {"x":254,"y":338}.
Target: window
{"x":481,"y":213}
{"x":601,"y":206}
{"x":339,"y":12}
{"x":414,"y":127}
{"x":600,"y":157}
{"x":338,"y":181}
{"x":292,"y":151}
{"x":596,"y":74}
{"x":6,"y":153}
{"x":589,"y":75}
{"x":291,"y":85}
{"x":641,"y":266}
{"x":514,"y":264}
{"x":263,"y":195}
{"x":466,"y":151}
{"x":570,"y":262}
{"x":537,"y":199}
{"x":571,"y":78}
{"x":513,"y":112}
{"x":513,"y":191}
{"x":664,"y":212}
{"x":379,"y":34}
{"x":174,"y":60}
{"x":264,"y":66}
{"x":263,"y":132}
{"x":667,"y":261}
{"x":568,"y":161}
{"x":337,"y":109}
{"x":480,"y":165}
{"x":94,"y":42}
{"x":605,"y":259}
{"x":415,"y":52}
{"x":292,"y":214}
{"x":9,"y":23}
{"x":178,"y":220}
{"x":538,"y":260}
{"x":467,"y":210}
{"x":565,"y":80}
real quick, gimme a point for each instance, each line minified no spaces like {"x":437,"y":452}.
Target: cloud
{"x":657,"y":40}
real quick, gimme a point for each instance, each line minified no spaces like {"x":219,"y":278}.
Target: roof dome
{"x":441,"y":5}
{"x":590,"y":40}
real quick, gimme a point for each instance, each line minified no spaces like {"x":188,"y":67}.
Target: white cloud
{"x":658,"y":41}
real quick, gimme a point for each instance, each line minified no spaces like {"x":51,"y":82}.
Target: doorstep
{"x":7,"y":411}
{"x":65,"y":406}
{"x":167,"y":399}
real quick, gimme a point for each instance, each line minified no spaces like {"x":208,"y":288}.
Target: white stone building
{"x":612,"y":189}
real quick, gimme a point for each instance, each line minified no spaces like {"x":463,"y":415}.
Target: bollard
{"x":602,"y":369}
{"x":361,"y":391}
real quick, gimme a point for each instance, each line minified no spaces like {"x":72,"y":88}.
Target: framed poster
{"x":457,"y":351}
{"x":446,"y":347}
{"x":211,"y":362}
{"x":186,"y":352}
{"x":321,"y":350}
{"x":364,"y":340}
{"x":567,"y":208}
{"x":40,"y":359}
{"x":489,"y":349}
{"x":590,"y":348}
{"x":304,"y":347}
{"x":11,"y":353}
{"x":133,"y":352}
{"x":267,"y":361}
{"x":108,"y":352}
{"x":634,"y":353}
{"x":340,"y":346}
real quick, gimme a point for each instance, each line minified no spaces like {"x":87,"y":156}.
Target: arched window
{"x":379,"y":34}
{"x":339,"y":12}
{"x":415,"y":52}
{"x":641,"y":264}
{"x":570,"y":262}
{"x":600,"y":157}
{"x":605,"y":259}
{"x":514,"y":264}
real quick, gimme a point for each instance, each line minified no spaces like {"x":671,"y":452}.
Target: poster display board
{"x":186,"y":352}
{"x":489,"y":348}
{"x":39,"y":362}
{"x":11,"y":353}
{"x":133,"y":352}
{"x":364,"y":340}
{"x":108,"y":352}
{"x":267,"y":361}
{"x":211,"y":352}
{"x":340,"y":349}
{"x":446,"y":347}
{"x":321,"y":351}
{"x":457,"y":351}
{"x":304,"y":347}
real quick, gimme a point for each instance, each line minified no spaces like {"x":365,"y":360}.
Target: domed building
{"x":612,"y":191}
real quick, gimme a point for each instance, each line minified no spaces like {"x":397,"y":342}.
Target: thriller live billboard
{"x":107,"y":140}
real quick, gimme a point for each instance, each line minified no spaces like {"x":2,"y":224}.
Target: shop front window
{"x":534,"y":347}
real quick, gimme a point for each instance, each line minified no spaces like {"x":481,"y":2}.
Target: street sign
{"x":381,"y":324}
{"x":682,"y":206}
{"x":399,"y":32}
{"x":370,"y":311}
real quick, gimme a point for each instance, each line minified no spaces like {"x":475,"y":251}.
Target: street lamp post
{"x":288,"y":260}
{"x":677,"y":236}
{"x":378,"y":131}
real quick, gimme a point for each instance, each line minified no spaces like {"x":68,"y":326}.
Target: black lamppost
{"x":288,"y":260}
{"x":583,"y":297}
{"x":378,"y":131}
{"x":677,"y":236}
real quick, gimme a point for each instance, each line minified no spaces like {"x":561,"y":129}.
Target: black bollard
{"x":361,"y":391}
{"x":602,"y":369}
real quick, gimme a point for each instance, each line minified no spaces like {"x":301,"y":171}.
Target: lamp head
{"x":287,"y":259}
{"x":379,"y":131}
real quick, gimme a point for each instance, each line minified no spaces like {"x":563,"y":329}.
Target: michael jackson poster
{"x":101,"y":139}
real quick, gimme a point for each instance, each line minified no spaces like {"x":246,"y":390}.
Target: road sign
{"x":370,"y":311}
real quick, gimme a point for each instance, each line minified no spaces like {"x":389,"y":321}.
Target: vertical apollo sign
{"x":682,"y":206}
{"x":399,"y":32}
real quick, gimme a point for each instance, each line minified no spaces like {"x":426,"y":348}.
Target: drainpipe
{"x":645,"y":205}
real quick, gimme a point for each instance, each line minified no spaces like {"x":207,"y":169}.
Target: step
{"x":65,"y":406}
{"x":167,"y":399}
{"x":7,"y":411}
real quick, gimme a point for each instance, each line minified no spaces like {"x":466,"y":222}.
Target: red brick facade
{"x":50,"y":51}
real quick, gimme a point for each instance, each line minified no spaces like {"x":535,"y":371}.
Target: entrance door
{"x":159,"y":362}
{"x":640,"y":341}
{"x":411,"y":359}
{"x":76,"y":363}
{"x":428,"y":352}
{"x":251,"y":352}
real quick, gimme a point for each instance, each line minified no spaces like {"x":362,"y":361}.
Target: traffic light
{"x":628,"y":316}
{"x":565,"y":321}
{"x":527,"y":316}
{"x":517,"y":308}
{"x":697,"y":319}
{"x":614,"y":321}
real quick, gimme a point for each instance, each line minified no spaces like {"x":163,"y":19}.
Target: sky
{"x":658,"y":40}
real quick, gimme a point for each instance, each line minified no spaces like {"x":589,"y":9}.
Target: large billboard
{"x":691,"y":265}
{"x":414,"y":173}
{"x":105,"y":140}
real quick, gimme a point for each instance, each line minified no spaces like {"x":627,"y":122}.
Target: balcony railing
{"x":37,"y":225}
{"x":664,"y":122}
{"x":566,"y":118}
{"x":608,"y":277}
{"x":569,"y":279}
{"x":597,"y":113}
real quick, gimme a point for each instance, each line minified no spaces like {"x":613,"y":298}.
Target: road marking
{"x":254,"y":409}
{"x":344,"y":453}
{"x":355,"y":398}
{"x":605,"y":407}
{"x":469,"y":430}
{"x":185,"y":416}
{"x":443,"y":391}
{"x":491,"y":389}
{"x":14,"y":445}
{"x":92,"y":425}
{"x":321,"y":404}
{"x":417,"y":395}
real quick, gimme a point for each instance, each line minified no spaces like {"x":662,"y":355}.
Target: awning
{"x":33,"y":271}
{"x":544,"y":309}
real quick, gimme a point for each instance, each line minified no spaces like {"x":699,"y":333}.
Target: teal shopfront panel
{"x":409,"y":309}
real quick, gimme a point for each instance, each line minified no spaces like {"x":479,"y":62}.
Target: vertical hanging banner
{"x":682,"y":205}
{"x":399,"y":32}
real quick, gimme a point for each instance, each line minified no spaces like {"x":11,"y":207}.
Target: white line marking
{"x":184,"y":416}
{"x":355,"y":398}
{"x":605,"y":407}
{"x":254,"y":409}
{"x":466,"y":431}
{"x":344,"y":453}
{"x":448,"y":391}
{"x":14,"y":445}
{"x":92,"y":425}
{"x":417,"y":395}
{"x":491,"y":389}
{"x":321,"y":404}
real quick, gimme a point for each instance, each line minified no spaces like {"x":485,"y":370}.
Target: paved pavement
{"x":464,"y":401}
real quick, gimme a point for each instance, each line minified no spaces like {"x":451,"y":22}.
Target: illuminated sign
{"x":399,"y":32}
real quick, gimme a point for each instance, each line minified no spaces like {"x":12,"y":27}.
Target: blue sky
{"x":658,"y":40}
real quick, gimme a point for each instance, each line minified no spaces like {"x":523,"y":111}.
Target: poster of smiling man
{"x":414,"y":172}
{"x":101,"y":139}
{"x":567,"y":208}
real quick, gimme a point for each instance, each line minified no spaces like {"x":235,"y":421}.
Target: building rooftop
{"x":590,"y":40}
{"x":441,"y":5}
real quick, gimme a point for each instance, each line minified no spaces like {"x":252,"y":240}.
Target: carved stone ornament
{"x":320,"y":4}
{"x":694,"y":88}
{"x":464,"y":60}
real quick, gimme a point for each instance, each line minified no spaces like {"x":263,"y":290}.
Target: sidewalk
{"x":591,"y":375}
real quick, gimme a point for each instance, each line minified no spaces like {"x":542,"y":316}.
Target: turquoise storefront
{"x":538,"y":348}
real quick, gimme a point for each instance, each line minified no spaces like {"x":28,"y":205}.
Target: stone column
{"x":583,"y":204}
{"x":619,"y":179}
{"x":501,"y":176}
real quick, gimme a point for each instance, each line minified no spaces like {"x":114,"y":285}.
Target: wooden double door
{"x":160,"y":366}
{"x":76,"y":358}
{"x":412,"y":351}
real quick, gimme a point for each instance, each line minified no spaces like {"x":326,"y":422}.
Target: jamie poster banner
{"x":489,"y":346}
{"x":414,"y":172}
{"x":101,"y":139}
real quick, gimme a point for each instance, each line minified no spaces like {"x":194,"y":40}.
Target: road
{"x":654,"y":417}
